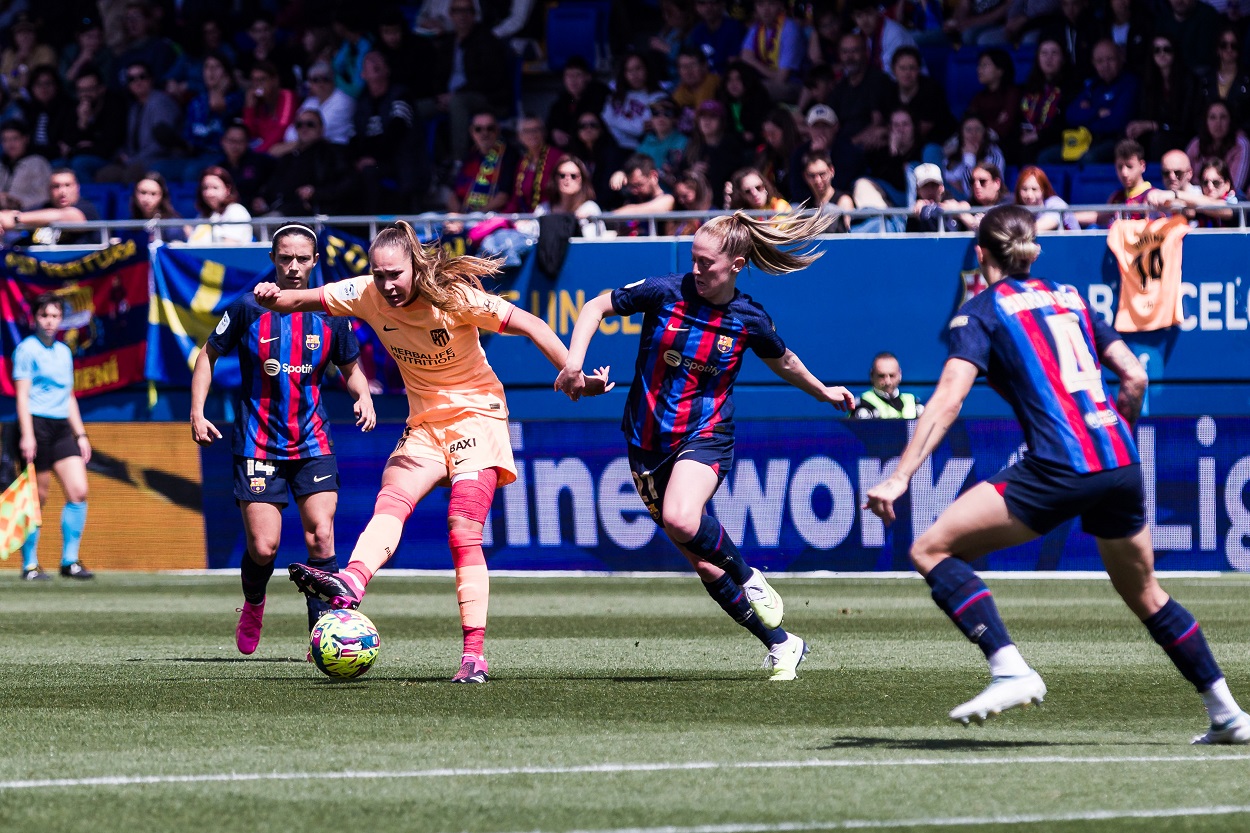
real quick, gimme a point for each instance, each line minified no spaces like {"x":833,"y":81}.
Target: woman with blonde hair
{"x":678,"y":421}
{"x":426,"y":307}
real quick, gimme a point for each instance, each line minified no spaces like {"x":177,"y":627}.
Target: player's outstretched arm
{"x":571,"y":380}
{"x":202,"y":431}
{"x":1133,"y":380}
{"x":536,"y":330}
{"x":939,"y":412}
{"x":271,"y":296}
{"x":792,"y":369}
{"x":358,"y":387}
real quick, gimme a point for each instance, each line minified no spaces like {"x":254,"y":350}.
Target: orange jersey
{"x":439,"y":354}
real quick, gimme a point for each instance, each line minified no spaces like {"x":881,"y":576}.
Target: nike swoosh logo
{"x":267,"y":340}
{"x":457,"y":462}
{"x":389,"y":329}
{"x":322,"y":477}
{"x":673,"y":329}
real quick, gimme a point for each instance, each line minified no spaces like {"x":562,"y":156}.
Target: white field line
{"x":956,"y":821}
{"x":994,"y":575}
{"x":609,"y":768}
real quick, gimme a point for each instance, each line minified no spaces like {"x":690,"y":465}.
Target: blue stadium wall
{"x":792,"y":498}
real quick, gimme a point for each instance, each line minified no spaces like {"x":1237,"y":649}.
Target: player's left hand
{"x":366,"y":418}
{"x":597,"y":383}
{"x":266,"y":294}
{"x":882,"y":496}
{"x":840,"y":398}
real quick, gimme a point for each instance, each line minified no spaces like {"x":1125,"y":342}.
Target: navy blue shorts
{"x":267,"y":481}
{"x":652,"y":469}
{"x":1042,"y":495}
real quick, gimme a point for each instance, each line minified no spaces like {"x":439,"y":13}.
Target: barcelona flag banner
{"x":105,"y":294}
{"x":19,"y":512}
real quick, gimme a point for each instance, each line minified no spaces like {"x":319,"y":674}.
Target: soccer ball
{"x":344,"y":643}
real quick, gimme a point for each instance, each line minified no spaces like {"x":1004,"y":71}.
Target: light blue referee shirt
{"x":51,"y":374}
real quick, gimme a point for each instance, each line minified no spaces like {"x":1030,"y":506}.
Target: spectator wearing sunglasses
{"x":313,"y":177}
{"x":335,"y":107}
{"x":1227,"y":81}
{"x":153,"y":128}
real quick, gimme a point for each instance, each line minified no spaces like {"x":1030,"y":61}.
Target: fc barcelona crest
{"x":312,"y":342}
{"x":257,"y":485}
{"x":439,"y":336}
{"x":724,"y":344}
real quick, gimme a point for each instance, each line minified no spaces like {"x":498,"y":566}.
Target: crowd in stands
{"x":321,"y":107}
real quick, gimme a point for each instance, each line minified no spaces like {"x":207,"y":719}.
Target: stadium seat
{"x":572,"y":29}
{"x":961,"y":79}
{"x":935,"y":58}
{"x":1023,"y":57}
{"x":182,"y":195}
{"x":104,"y":198}
{"x":1090,"y":187}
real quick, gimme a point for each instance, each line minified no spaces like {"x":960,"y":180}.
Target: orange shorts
{"x":468,"y":443}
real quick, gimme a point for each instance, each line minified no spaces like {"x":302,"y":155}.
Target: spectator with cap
{"x":774,"y":47}
{"x":716,"y":34}
{"x":26,"y":53}
{"x":932,"y":211}
{"x":882,"y":34}
{"x":64,"y":205}
{"x":884,"y":400}
{"x":822,"y":131}
{"x":153,"y":128}
{"x":23,"y":173}
{"x":581,"y":93}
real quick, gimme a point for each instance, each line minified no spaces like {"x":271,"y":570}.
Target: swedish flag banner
{"x":189,"y":294}
{"x":19,"y":512}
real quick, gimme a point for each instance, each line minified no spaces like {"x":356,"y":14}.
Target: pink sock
{"x":357,"y":575}
{"x":474,"y":641}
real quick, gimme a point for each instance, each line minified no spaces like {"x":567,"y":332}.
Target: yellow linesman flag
{"x":19,"y":512}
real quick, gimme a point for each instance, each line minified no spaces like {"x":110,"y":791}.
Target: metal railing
{"x":636,"y":226}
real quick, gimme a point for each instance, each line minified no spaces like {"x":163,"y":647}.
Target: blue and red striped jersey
{"x":282,"y":359}
{"x":688,"y":358}
{"x":1038,"y":345}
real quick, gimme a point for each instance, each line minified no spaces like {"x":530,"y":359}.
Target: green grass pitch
{"x":616,"y":704}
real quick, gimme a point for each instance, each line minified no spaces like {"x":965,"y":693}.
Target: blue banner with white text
{"x":791,"y":500}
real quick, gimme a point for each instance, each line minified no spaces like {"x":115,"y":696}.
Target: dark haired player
{"x":281,"y":439}
{"x":1039,"y":346}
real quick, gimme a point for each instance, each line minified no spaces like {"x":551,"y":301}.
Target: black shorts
{"x":652,"y":469}
{"x":267,"y":481}
{"x":54,"y":441}
{"x":1042,"y":495}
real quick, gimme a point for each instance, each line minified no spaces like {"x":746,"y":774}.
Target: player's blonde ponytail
{"x":436,"y":275}
{"x":769,"y":242}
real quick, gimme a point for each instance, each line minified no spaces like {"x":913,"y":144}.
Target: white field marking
{"x":1001,"y":575}
{"x":609,"y":768}
{"x":957,"y":821}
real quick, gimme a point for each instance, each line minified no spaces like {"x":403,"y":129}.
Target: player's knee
{"x":263,"y":551}
{"x":322,"y":538}
{"x":925,"y":554}
{"x":395,"y":502}
{"x":681,"y":526}
{"x":76,"y":494}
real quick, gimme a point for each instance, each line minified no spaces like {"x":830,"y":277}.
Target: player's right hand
{"x":571,"y":383}
{"x":28,"y":446}
{"x":266,"y":294}
{"x":882,"y":496}
{"x":203,"y":431}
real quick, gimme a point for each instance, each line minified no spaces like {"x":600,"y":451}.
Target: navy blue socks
{"x":967,"y":601}
{"x":733,"y":600}
{"x":255,"y":578}
{"x":316,"y":607}
{"x":1180,"y":636}
{"x":712,"y":544}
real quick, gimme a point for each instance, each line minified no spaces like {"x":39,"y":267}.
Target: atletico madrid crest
{"x":257,"y":485}
{"x":724,"y":344}
{"x":312,"y":342}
